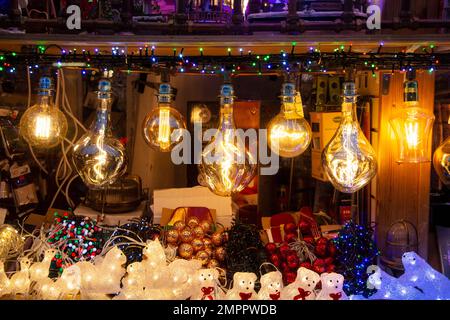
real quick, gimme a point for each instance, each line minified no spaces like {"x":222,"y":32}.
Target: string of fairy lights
{"x":234,"y":60}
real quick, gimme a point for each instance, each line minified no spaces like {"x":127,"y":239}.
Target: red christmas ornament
{"x":306,"y":265}
{"x":293,"y":261}
{"x":290,"y":237}
{"x":305,"y":227}
{"x":329,"y":261}
{"x":331,"y":268}
{"x":322,"y":241}
{"x":319,"y":266}
{"x":320,"y":250}
{"x":284,"y":250}
{"x":290,"y":227}
{"x":289,"y":277}
{"x":309,"y":240}
{"x":275,"y":259}
{"x":331,"y":249}
{"x":271,"y":247}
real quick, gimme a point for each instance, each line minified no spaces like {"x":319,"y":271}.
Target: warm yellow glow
{"x":164,"y":128}
{"x":412,"y":134}
{"x":42,"y":126}
{"x":441,"y":162}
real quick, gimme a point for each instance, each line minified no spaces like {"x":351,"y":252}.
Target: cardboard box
{"x":198,"y":196}
{"x":112,"y":219}
{"x":317,"y":170}
{"x":324,"y":126}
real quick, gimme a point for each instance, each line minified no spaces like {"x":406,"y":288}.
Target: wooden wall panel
{"x":402,"y":189}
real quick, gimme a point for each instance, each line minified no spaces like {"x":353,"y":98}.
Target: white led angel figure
{"x":182,"y":274}
{"x":20,"y":281}
{"x":5,"y":283}
{"x":40,"y":270}
{"x":419,"y":274}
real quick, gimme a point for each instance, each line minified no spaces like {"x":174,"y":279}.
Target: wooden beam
{"x":403,"y":190}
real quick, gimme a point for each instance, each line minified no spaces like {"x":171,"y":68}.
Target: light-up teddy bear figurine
{"x":182,"y":277}
{"x":332,"y":284}
{"x":206,"y":285}
{"x":271,"y":286}
{"x":419,"y":274}
{"x":243,"y":287}
{"x":303,"y":288}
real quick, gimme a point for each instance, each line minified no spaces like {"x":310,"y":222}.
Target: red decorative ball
{"x":329,"y":261}
{"x":309,"y":240}
{"x":290,"y":227}
{"x":275,"y":259}
{"x":320,"y":250}
{"x":306,"y":265}
{"x":290,"y":276}
{"x":293,"y":261}
{"x":322,"y":241}
{"x":319,"y":266}
{"x":271,"y":247}
{"x":331,"y":249}
{"x":290,"y":237}
{"x":284,"y":250}
{"x":305,"y":227}
{"x":331,"y":268}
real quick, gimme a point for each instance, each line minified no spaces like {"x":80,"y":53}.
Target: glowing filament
{"x":164,"y":128}
{"x":412,"y":134}
{"x":42,"y":126}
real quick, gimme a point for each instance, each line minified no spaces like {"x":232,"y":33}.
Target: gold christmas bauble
{"x":207,"y":243}
{"x":198,"y":232}
{"x":185,"y":250}
{"x":186,"y":235}
{"x":206,"y":226}
{"x":219,"y":254}
{"x":203,"y":256}
{"x":216,"y":238}
{"x":192,"y":222}
{"x":172,"y":236}
{"x":209,"y":251}
{"x":213,"y":263}
{"x":197,"y":244}
{"x":179,"y":225}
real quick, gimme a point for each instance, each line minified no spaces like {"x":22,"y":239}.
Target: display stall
{"x":224,"y":150}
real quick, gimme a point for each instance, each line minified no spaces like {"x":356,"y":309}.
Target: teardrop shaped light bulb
{"x":412,"y":126}
{"x":289,"y":133}
{"x":43,"y":125}
{"x":99,"y":158}
{"x":162,"y":125}
{"x":227,"y":167}
{"x":348,"y":159}
{"x":441,"y":162}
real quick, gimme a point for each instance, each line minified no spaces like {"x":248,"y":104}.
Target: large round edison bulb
{"x":43,"y":125}
{"x":349,"y":159}
{"x":289,"y":133}
{"x":162,"y":125}
{"x":441,"y":162}
{"x":227,"y":167}
{"x":99,"y":158}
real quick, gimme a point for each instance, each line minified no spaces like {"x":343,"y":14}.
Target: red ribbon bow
{"x":245,"y":296}
{"x":302,"y":294}
{"x":336,"y":296}
{"x":207,"y":293}
{"x":275,"y":296}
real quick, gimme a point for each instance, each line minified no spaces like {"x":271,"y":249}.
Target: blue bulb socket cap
{"x":45,"y":86}
{"x":104,"y":89}
{"x":288,"y":92}
{"x":165,"y":93}
{"x":226,"y":94}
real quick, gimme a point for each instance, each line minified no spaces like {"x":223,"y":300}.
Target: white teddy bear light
{"x":271,"y":286}
{"x":206,"y":287}
{"x":243,"y":287}
{"x":332,"y":284}
{"x":303,"y":288}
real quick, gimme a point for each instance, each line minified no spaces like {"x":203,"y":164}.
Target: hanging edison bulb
{"x":99,"y":158}
{"x":43,"y":125}
{"x":441,"y":161}
{"x":227,"y":167}
{"x":162,"y":125}
{"x":289,"y":133}
{"x":412,"y":127}
{"x":349,"y":159}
